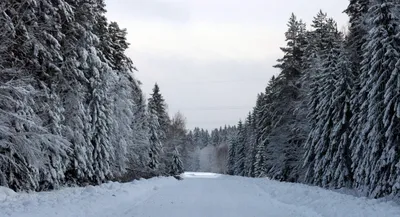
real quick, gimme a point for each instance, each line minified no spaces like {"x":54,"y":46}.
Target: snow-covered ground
{"x":198,"y":195}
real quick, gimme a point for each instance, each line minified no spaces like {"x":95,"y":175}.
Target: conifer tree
{"x":319,"y":139}
{"x":30,"y":57}
{"x":157,"y":102}
{"x":340,"y":140}
{"x":58,"y":52}
{"x":375,"y":150}
{"x":177,"y":165}
{"x":155,"y":149}
{"x":250,"y":143}
{"x":285,"y":137}
{"x":263,"y":124}
{"x":231,"y":158}
{"x":240,"y":151}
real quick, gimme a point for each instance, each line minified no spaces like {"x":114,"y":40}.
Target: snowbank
{"x":80,"y":202}
{"x":6,"y":193}
{"x":198,"y":195}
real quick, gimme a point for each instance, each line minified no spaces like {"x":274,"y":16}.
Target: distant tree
{"x":240,"y":151}
{"x":175,"y":140}
{"x":176,"y":167}
{"x":157,"y":103}
{"x":156,"y":149}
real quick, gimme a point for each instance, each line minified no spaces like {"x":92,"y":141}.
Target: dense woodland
{"x":73,"y":112}
{"x":331,"y":118}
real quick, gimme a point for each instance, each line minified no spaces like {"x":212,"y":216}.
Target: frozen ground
{"x":198,"y":195}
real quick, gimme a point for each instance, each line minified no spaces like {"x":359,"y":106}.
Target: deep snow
{"x":198,"y":195}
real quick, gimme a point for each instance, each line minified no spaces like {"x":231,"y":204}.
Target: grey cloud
{"x":153,"y":10}
{"x":268,"y":13}
{"x":250,"y":12}
{"x":209,"y":94}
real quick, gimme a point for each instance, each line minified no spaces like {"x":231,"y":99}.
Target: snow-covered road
{"x":198,"y":195}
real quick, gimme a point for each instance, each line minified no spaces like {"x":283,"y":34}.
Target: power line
{"x":220,"y":108}
{"x":260,"y":80}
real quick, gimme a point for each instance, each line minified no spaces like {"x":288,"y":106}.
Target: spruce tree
{"x":375,"y":155}
{"x":240,"y":151}
{"x":340,"y":140}
{"x":250,"y":142}
{"x":155,"y":149}
{"x":356,"y":10}
{"x":30,"y":61}
{"x":176,"y":138}
{"x":177,"y":165}
{"x":285,"y":137}
{"x":319,"y":141}
{"x":231,"y":158}
{"x":157,"y":102}
{"x":75,"y":101}
{"x":263,"y":125}
{"x":319,"y":83}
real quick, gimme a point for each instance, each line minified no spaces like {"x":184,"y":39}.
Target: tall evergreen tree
{"x":231,"y":158}
{"x":250,"y":144}
{"x":263,"y":126}
{"x":157,"y":102}
{"x":356,"y":10}
{"x":155,"y":149}
{"x":70,"y":60}
{"x":285,"y":137}
{"x":240,"y":151}
{"x":319,"y":150}
{"x":30,"y":60}
{"x":375,"y":155}
{"x":340,"y":139}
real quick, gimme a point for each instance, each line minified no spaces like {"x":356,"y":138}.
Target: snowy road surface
{"x":198,"y":195}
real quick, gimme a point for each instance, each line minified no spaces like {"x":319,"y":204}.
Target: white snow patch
{"x":6,"y":193}
{"x":198,"y":175}
{"x":197,"y":195}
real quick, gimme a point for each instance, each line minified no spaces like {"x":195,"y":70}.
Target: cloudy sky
{"x":211,"y":57}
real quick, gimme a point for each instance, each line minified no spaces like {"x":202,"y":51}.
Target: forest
{"x":73,"y":112}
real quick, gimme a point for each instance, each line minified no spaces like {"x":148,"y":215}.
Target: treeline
{"x":71,"y":110}
{"x":209,"y":150}
{"x":332,"y":116}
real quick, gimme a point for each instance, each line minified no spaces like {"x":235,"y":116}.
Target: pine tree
{"x":176,"y":138}
{"x":98,"y":75}
{"x":340,"y":140}
{"x":291,"y":62}
{"x":319,"y":77}
{"x":319,"y":140}
{"x":356,"y":10}
{"x":156,"y":149}
{"x":263,"y":127}
{"x":375,"y":155}
{"x":177,"y":165}
{"x":240,"y":151}
{"x":25,"y":167}
{"x":69,"y":68}
{"x":285,"y":137}
{"x":250,"y":143}
{"x":158,"y":103}
{"x":30,"y":54}
{"x":231,"y":159}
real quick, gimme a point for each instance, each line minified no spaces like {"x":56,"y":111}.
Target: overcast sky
{"x":211,"y":57}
